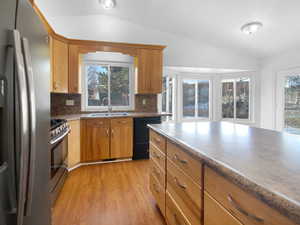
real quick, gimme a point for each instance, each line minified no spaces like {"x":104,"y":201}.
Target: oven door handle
{"x":54,"y":141}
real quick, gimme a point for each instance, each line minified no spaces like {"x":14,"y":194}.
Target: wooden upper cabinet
{"x":95,"y":140}
{"x":74,"y":69}
{"x":121,"y":138}
{"x":149,"y":69}
{"x":59,"y":65}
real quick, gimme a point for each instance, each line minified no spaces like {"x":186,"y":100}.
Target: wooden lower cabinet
{"x":106,"y":139}
{"x":95,"y":140}
{"x":196,"y":194}
{"x":174,"y":215}
{"x":185,"y":192}
{"x":215,"y":214}
{"x":74,"y":143}
{"x":242,"y":205}
{"x":158,"y":193}
{"x":121,"y":138}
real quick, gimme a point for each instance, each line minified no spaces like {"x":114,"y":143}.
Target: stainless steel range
{"x":59,"y":153}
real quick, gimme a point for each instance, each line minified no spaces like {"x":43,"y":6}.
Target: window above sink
{"x":107,"y":85}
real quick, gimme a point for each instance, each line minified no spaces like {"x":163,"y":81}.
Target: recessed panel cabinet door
{"x":121,"y":138}
{"x":95,"y":140}
{"x":59,"y":65}
{"x":149,"y":65}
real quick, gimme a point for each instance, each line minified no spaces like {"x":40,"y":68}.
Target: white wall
{"x":180,"y":51}
{"x":270,"y":67}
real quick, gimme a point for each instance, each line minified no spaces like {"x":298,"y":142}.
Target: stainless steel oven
{"x":59,"y":153}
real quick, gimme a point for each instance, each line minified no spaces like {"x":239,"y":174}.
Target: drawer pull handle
{"x":180,"y":160}
{"x":155,"y":188}
{"x":243,"y":211}
{"x":182,"y":186}
{"x":107,"y":132}
{"x":176,"y":219}
{"x":157,"y":140}
{"x":156,"y":155}
{"x":156,"y":172}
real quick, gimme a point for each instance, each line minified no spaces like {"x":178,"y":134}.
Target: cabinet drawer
{"x":185,"y":192}
{"x":158,"y":140}
{"x":97,"y":122}
{"x":174,"y":215}
{"x":248,"y":209}
{"x":158,"y":173}
{"x":215,"y":214}
{"x":158,"y":156}
{"x":184,"y":161}
{"x":158,"y":193}
{"x":121,"y":121}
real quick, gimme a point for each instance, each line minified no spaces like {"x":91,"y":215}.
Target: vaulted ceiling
{"x":215,"y":21}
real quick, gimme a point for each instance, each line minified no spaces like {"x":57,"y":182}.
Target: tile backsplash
{"x":150,"y":101}
{"x":59,"y":103}
{"x":64,"y":104}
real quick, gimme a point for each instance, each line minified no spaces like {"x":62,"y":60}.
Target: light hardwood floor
{"x":107,"y":194}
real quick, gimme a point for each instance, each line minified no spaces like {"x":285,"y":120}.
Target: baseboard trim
{"x":98,"y":162}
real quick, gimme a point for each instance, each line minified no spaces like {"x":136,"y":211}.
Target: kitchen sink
{"x":108,"y":114}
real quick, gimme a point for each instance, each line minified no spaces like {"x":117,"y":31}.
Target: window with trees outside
{"x":108,"y":84}
{"x":236,"y":99}
{"x":195,"y":98}
{"x":292,"y":104}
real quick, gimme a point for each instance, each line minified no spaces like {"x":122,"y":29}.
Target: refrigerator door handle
{"x":22,"y":96}
{"x":32,"y":120}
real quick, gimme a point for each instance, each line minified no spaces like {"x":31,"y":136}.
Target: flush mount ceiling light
{"x":251,"y":28}
{"x":108,"y":4}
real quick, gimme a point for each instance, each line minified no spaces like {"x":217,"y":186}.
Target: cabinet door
{"x":74,"y":143}
{"x":95,"y":140}
{"x":74,"y":70}
{"x":149,"y":65}
{"x":59,"y":65}
{"x":121,"y":138}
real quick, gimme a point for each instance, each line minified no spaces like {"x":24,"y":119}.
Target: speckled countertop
{"x":100,"y":115}
{"x":263,"y":162}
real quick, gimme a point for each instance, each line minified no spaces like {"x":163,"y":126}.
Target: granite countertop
{"x":263,"y":162}
{"x":130,"y":114}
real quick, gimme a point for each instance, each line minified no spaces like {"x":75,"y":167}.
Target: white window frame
{"x":196,"y":77}
{"x":280,"y":82}
{"x":234,"y":77}
{"x":174,"y":98}
{"x":84,"y":104}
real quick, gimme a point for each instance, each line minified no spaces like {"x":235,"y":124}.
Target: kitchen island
{"x":244,"y":175}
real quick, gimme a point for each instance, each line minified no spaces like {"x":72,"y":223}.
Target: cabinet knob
{"x":55,"y":85}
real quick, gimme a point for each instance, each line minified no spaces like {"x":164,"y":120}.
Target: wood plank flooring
{"x":107,"y":194}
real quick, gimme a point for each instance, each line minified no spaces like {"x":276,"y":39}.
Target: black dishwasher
{"x":141,"y":136}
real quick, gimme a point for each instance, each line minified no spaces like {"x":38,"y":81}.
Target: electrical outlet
{"x":144,"y":102}
{"x":69,"y":102}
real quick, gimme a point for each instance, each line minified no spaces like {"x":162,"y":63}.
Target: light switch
{"x":144,"y":102}
{"x":69,"y":102}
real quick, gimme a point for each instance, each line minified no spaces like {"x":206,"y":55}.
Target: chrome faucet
{"x":109,"y":107}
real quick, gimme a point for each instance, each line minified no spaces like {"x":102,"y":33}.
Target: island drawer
{"x":158,"y":173}
{"x":174,"y":216}
{"x":248,"y":209}
{"x":185,"y":192}
{"x":186,"y":162}
{"x":215,"y":214}
{"x":159,"y":194}
{"x":158,"y":140}
{"x":158,"y":156}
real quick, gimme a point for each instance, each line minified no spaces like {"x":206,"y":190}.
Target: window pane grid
{"x":195,"y":99}
{"x":236,"y":99}
{"x":108,"y":84}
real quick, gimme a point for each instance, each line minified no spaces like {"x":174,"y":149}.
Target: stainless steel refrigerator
{"x":24,"y":116}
